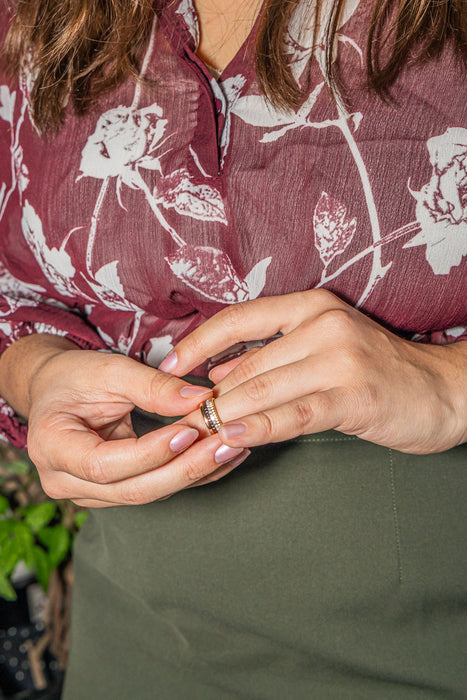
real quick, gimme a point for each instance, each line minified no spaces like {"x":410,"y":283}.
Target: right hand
{"x":82,"y":443}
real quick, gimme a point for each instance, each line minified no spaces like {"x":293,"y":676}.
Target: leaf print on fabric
{"x":333,"y":231}
{"x":200,"y":201}
{"x":107,"y":286}
{"x":158,"y":349}
{"x":19,"y":170}
{"x":55,"y":263}
{"x":301,"y":31}
{"x":17,"y":293}
{"x":210,"y":272}
{"x":441,"y":206}
{"x":7,"y":104}
{"x":257,"y":111}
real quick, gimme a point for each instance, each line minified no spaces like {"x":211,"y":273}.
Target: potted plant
{"x":37,"y":534}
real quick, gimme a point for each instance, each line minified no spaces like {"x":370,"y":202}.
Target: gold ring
{"x":210,"y":416}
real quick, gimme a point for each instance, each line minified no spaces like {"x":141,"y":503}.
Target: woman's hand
{"x":81,"y":439}
{"x":333,"y":367}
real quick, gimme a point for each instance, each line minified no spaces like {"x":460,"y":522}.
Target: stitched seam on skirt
{"x":395,"y":516}
{"x":342,"y":439}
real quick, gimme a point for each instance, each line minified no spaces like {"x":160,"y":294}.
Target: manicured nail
{"x":226,"y":453}
{"x":169,"y":363}
{"x":241,"y":458}
{"x":232,"y":430}
{"x":189,"y":392}
{"x":183,"y":439}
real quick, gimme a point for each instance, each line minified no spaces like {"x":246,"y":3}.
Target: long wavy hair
{"x":84,"y":47}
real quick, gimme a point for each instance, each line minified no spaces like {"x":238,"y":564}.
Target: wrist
{"x":452,"y":368}
{"x":22,"y":361}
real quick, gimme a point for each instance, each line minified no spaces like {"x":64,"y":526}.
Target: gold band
{"x":210,"y":416}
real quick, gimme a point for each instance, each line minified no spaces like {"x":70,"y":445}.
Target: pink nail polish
{"x":232,"y":430}
{"x":183,"y":439}
{"x":169,"y":363}
{"x":190,"y":392}
{"x":226,"y":453}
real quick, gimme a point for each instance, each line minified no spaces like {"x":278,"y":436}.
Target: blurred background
{"x":36,"y":580}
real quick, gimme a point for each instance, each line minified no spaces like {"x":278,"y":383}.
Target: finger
{"x":219,"y":372}
{"x":200,"y":460}
{"x":83,"y":454}
{"x":273,"y":388}
{"x":149,"y":388}
{"x":251,"y":320}
{"x":224,"y":470}
{"x":283,"y":351}
{"x":324,"y":410}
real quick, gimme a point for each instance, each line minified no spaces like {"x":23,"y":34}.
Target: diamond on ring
{"x":210,"y":416}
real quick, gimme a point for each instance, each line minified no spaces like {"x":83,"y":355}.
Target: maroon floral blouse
{"x":165,"y":203}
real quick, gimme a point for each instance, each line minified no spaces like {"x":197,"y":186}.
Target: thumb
{"x":152,"y":390}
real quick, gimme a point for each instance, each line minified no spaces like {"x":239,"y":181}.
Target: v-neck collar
{"x":183,"y":17}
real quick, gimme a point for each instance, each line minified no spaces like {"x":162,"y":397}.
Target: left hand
{"x":333,"y":368}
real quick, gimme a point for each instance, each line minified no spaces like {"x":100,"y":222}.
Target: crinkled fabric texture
{"x":164,"y":204}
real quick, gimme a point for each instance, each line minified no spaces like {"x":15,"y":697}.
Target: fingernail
{"x":189,"y":392}
{"x":232,"y":430}
{"x":226,"y":453}
{"x":169,"y":363}
{"x":183,"y":439}
{"x":241,"y":458}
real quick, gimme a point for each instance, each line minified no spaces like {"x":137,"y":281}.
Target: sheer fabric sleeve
{"x":24,"y":311}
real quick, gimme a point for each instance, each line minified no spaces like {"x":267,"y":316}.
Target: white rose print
{"x":442,"y":203}
{"x":128,"y":140}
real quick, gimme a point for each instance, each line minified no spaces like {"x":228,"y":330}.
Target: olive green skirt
{"x":324,"y":567}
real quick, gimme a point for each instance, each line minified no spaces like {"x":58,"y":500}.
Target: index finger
{"x":250,"y":320}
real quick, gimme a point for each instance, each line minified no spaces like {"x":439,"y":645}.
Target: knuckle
{"x":134,"y":495}
{"x":259,"y":388}
{"x":302,"y":416}
{"x":162,"y":385}
{"x":268,"y":425}
{"x":234,"y":317}
{"x":243,"y":371}
{"x":92,"y":469}
{"x":338,"y":322}
{"x":193,"y":471}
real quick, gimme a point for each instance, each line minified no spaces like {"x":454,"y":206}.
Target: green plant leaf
{"x":10,"y":554}
{"x":19,"y":467}
{"x":80,"y":517}
{"x":40,"y":514}
{"x":41,"y":566}
{"x":24,"y":537}
{"x":4,"y":504}
{"x":6,"y":527}
{"x":57,"y":541}
{"x":6,"y":589}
